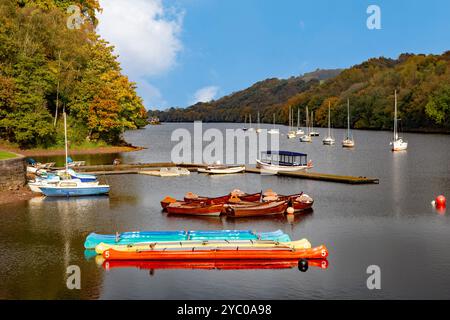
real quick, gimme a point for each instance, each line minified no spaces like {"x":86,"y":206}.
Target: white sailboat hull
{"x":399,"y":145}
{"x":348,"y":143}
{"x":305,"y":138}
{"x":291,"y":135}
{"x":329,"y":141}
{"x":273,"y":131}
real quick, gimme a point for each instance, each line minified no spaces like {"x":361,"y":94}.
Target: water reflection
{"x":211,"y":264}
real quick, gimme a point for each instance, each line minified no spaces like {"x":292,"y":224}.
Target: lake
{"x":391,"y":225}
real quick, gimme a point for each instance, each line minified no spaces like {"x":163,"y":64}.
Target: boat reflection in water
{"x":212,"y":264}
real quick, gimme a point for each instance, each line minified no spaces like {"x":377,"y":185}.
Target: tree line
{"x":47,"y":68}
{"x":422,"y":83}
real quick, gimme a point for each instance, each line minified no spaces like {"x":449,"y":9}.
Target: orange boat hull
{"x":195,"y":209}
{"x":212,"y":264}
{"x":264,"y":209}
{"x":320,"y":252}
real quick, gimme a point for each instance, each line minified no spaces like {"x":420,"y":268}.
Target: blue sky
{"x":210,"y":48}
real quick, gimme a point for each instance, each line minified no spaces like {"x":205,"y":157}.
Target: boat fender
{"x":303,"y":265}
{"x":290,"y":210}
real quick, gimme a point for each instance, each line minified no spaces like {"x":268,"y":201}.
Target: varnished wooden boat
{"x":209,"y":264}
{"x":193,"y":208}
{"x":255,"y":209}
{"x":295,"y":201}
{"x":237,"y":253}
{"x":211,"y":201}
{"x":224,"y":199}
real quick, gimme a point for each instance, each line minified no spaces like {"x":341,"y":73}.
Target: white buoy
{"x":290,"y":210}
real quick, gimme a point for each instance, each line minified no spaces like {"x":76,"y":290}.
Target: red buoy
{"x":440,"y":201}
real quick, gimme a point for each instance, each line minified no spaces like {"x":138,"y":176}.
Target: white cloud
{"x":205,"y":94}
{"x":146,"y":36}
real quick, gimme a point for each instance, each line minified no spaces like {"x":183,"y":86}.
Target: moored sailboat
{"x":348,"y":141}
{"x":398,"y":144}
{"x":273,"y":130}
{"x":299,"y":131}
{"x":329,"y":140}
{"x":73,"y":187}
{"x":313,"y":133}
{"x":291,"y":133}
{"x":307,"y":136}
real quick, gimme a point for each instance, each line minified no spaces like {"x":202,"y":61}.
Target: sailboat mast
{"x":395,"y":117}
{"x":329,"y":119}
{"x":258,"y":121}
{"x":307,"y":119}
{"x":65,"y":138}
{"x":348,"y":118}
{"x":290,"y":118}
{"x":298,"y":118}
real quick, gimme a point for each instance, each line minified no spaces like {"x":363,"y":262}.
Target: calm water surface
{"x":391,"y":225}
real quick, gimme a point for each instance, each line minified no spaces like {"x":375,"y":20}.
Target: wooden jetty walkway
{"x":318,"y":176}
{"x":136,"y":168}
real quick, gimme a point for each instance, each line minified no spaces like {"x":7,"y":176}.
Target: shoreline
{"x":418,"y":130}
{"x":12,"y":196}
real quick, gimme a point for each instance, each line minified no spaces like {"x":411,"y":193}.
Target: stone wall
{"x":12,"y":173}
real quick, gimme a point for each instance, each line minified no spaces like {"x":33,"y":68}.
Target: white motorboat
{"x":222,"y":169}
{"x":286,"y":161}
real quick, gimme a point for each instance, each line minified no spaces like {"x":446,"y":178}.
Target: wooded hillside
{"x":47,"y":67}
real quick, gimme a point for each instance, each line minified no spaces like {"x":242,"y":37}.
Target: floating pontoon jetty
{"x":137,"y":168}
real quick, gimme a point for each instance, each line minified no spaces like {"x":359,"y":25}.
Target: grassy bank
{"x":4,"y":155}
{"x":86,"y":148}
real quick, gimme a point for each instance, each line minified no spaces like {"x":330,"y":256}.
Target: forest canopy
{"x":422,"y":82}
{"x":47,"y":67}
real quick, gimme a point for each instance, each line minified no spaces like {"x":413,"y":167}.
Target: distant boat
{"x":258,"y":129}
{"x":307,"y":137}
{"x":245,"y":128}
{"x":329,"y":140}
{"x":222,"y":169}
{"x":250,"y":128}
{"x":398,"y":144}
{"x":283,"y":161}
{"x":273,"y":130}
{"x":348,"y":141}
{"x":299,"y":131}
{"x":291,"y":133}
{"x":313,"y":133}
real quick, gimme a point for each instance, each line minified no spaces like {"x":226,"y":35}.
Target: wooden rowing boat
{"x":209,"y":264}
{"x":255,"y":209}
{"x":300,"y":202}
{"x":223,"y":199}
{"x":193,"y":208}
{"x":236,"y":253}
{"x":193,"y":244}
{"x":210,"y":201}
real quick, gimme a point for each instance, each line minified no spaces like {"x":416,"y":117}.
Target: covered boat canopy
{"x":285,"y":158}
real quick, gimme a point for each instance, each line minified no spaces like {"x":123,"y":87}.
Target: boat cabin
{"x":285,"y":158}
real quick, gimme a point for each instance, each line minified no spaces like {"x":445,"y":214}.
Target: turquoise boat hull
{"x":93,"y":239}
